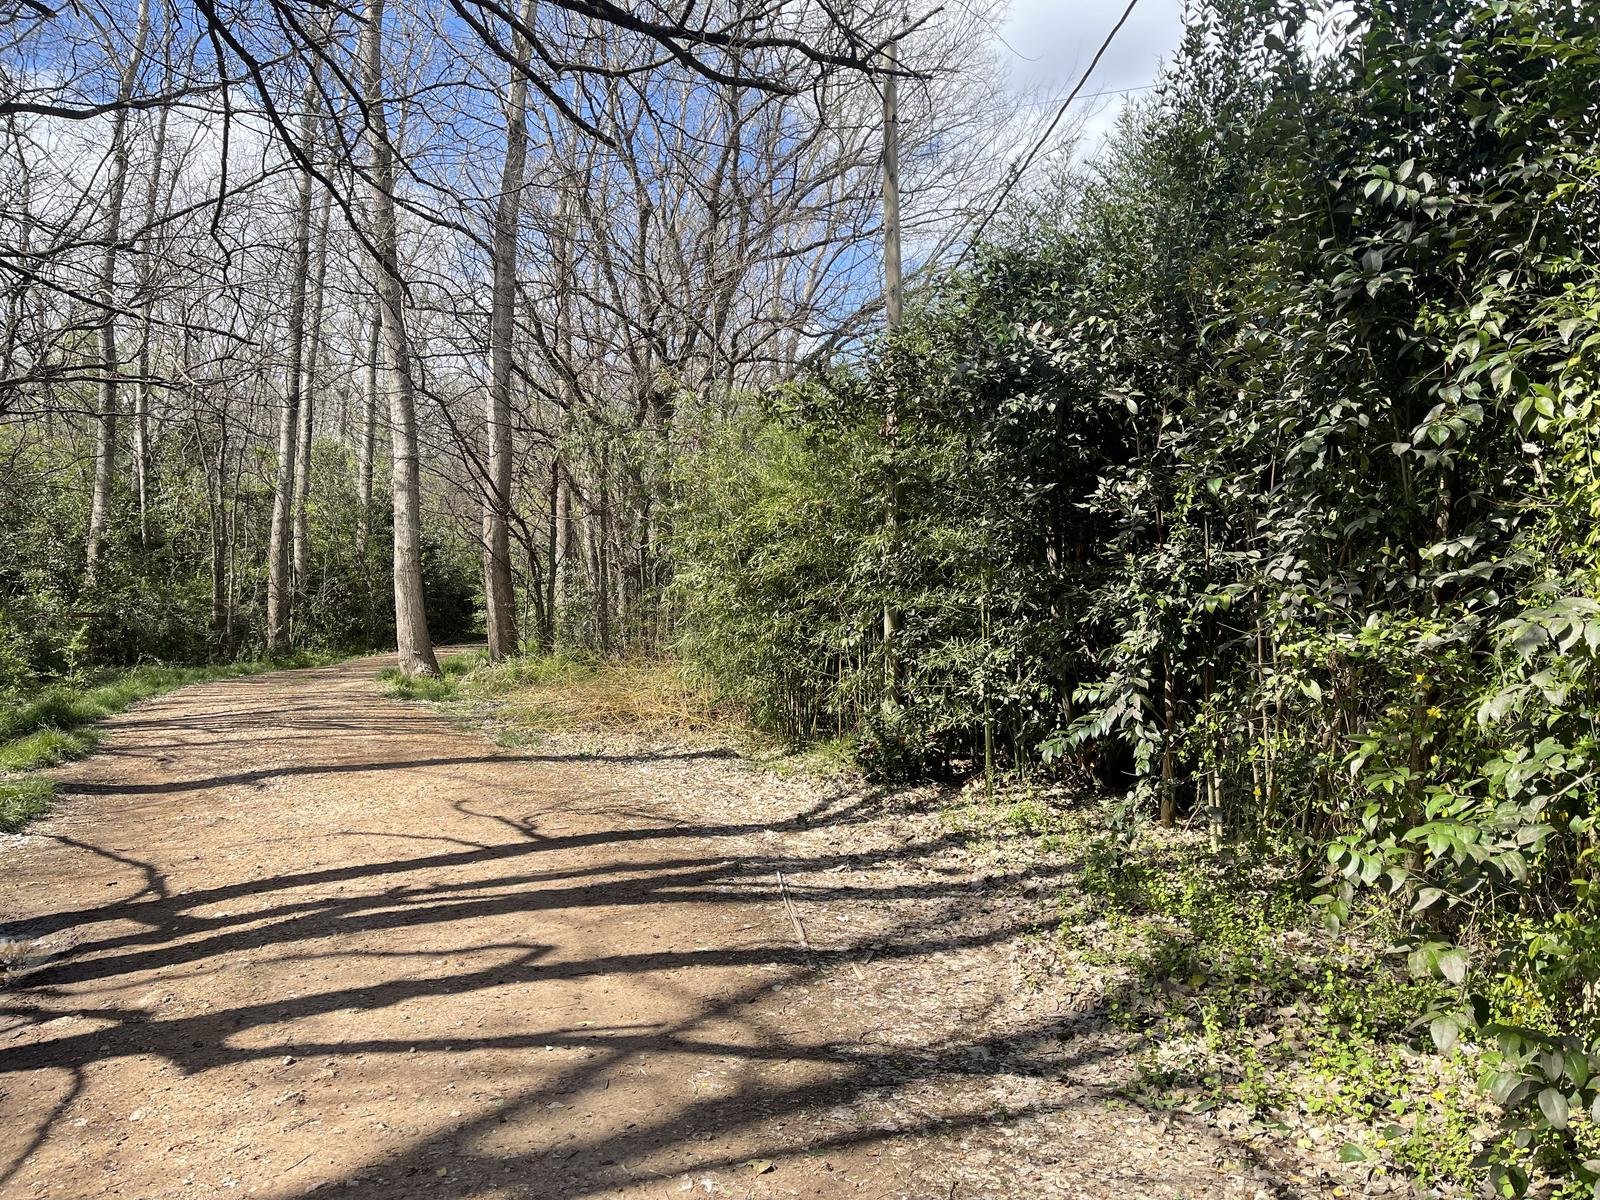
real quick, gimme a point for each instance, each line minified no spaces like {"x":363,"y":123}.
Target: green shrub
{"x":1251,"y":469}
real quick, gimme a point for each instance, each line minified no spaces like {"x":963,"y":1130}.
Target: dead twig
{"x":794,"y":915}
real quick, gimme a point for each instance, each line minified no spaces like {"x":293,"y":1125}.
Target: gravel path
{"x":283,"y":936}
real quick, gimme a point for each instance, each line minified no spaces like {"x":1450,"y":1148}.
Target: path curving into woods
{"x":287,"y":937}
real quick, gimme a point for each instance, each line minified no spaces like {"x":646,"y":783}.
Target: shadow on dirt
{"x":480,"y":873}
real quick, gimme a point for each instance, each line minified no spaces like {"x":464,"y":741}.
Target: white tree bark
{"x":410,"y":618}
{"x":499,"y":594}
{"x":105,"y":442}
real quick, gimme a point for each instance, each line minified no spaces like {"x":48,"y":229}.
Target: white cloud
{"x":1046,"y":44}
{"x":1049,"y":42}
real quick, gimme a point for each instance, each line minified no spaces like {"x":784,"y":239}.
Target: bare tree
{"x":499,"y":597}
{"x":279,"y":562}
{"x":110,"y":357}
{"x":300,"y":540}
{"x":410,"y":616}
{"x":558,"y":238}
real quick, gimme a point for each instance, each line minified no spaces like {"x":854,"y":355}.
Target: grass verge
{"x":54,"y":724}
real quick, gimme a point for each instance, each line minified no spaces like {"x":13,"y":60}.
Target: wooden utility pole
{"x":892,"y":301}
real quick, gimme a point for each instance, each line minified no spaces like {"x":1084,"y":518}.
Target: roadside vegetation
{"x":1250,"y":1014}
{"x":1249,"y":474}
{"x":578,"y":694}
{"x":1219,"y":523}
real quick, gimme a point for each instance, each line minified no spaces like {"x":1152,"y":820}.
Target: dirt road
{"x":285,"y":936}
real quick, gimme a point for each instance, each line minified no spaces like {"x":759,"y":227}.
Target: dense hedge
{"x":1254,"y":470}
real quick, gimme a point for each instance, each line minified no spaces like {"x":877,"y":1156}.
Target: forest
{"x":1217,"y":495}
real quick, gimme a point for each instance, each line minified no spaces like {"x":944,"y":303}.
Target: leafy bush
{"x":153,"y":597}
{"x":1253,"y":469}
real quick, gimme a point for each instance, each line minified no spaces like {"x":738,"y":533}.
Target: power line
{"x":1027,"y":160}
{"x":1143,"y":87}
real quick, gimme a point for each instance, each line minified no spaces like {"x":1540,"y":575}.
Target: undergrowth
{"x":572,"y":693}
{"x":1247,"y":1009}
{"x":1246,"y":1001}
{"x":53,"y":725}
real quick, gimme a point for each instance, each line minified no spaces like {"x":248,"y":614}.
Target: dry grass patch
{"x":638,"y":698}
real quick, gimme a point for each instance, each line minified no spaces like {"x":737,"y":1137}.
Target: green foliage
{"x":44,"y":749}
{"x":1254,"y":470}
{"x":1245,"y":1002}
{"x":157,"y":598}
{"x":451,"y":587}
{"x":22,"y":799}
{"x":776,"y":618}
{"x":454,"y":672}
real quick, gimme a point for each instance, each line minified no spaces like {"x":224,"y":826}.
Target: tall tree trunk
{"x":561,"y":560}
{"x":367,"y":439}
{"x":141,"y":400}
{"x":499,"y":593}
{"x":366,"y":450}
{"x":892,"y":295}
{"x":105,"y":441}
{"x":410,"y":618}
{"x":279,"y":563}
{"x":554,"y":593}
{"x":600,"y":548}
{"x":217,"y":505}
{"x":230,"y":533}
{"x":300,"y":537}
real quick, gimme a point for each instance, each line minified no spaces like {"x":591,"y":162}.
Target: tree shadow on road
{"x":486,"y":905}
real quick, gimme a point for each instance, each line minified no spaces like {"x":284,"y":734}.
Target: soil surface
{"x":286,"y":937}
